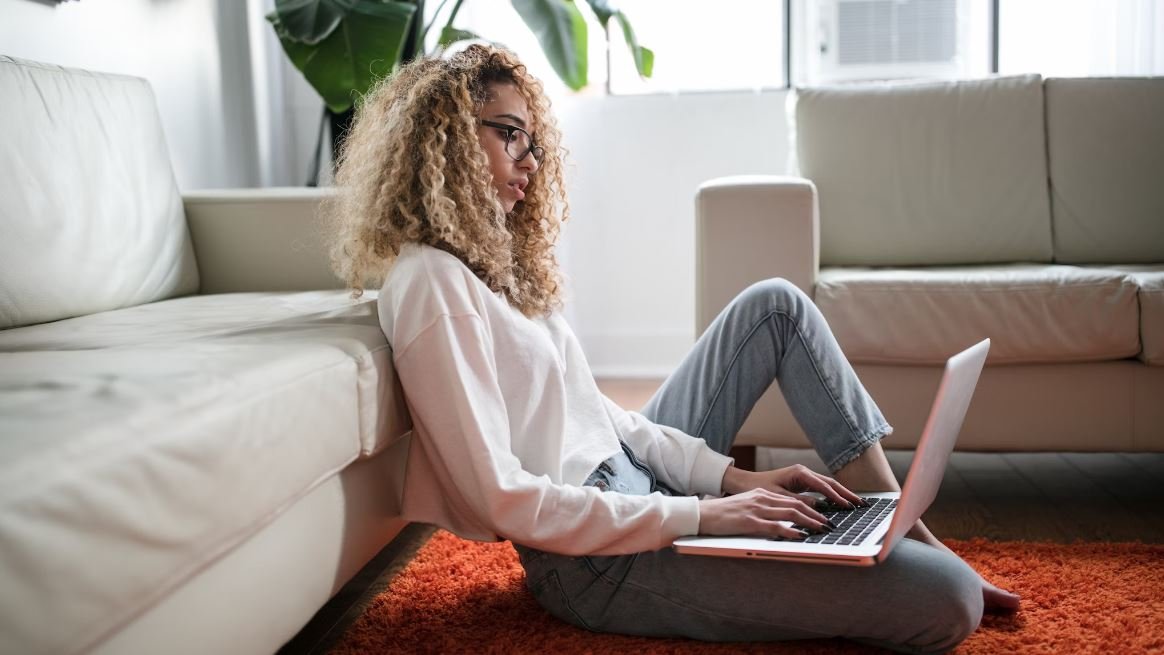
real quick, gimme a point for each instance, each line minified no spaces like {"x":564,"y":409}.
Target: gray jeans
{"x":920,"y":600}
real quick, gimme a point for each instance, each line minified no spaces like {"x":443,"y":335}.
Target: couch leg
{"x":745,"y":457}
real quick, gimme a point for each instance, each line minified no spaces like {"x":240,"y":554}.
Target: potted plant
{"x":343,"y":47}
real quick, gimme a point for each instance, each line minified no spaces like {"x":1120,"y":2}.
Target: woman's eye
{"x":504,"y":134}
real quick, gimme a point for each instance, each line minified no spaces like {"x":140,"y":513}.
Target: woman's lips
{"x":517,"y":191}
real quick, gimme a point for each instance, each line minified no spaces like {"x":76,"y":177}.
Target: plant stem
{"x":432,"y":22}
{"x":456,"y":8}
{"x":413,"y":39}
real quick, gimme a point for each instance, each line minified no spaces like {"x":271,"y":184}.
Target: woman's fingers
{"x":779,"y":529}
{"x":840,"y":490}
{"x":760,"y":512}
{"x":790,"y":508}
{"x":809,"y":480}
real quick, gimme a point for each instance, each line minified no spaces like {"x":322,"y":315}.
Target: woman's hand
{"x":760,"y":512}
{"x":789,"y":481}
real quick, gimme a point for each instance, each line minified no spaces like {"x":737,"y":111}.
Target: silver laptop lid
{"x":937,"y":441}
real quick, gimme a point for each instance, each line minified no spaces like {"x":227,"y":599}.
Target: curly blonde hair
{"x":413,"y":170}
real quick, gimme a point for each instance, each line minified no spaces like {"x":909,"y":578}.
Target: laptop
{"x":866,"y":536}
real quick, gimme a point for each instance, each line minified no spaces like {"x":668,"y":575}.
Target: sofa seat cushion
{"x":1150,"y":281}
{"x":1032,"y":313}
{"x":138,"y":445}
{"x":313,"y":317}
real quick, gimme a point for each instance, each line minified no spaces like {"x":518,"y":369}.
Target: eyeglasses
{"x":518,"y":142}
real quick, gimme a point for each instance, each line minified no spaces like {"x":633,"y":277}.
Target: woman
{"x":451,"y":193}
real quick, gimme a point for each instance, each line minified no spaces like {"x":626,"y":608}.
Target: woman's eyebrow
{"x":515,"y":119}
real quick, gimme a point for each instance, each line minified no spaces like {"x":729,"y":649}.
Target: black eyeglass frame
{"x":537,"y":151}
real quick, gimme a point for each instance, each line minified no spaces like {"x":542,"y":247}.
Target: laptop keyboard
{"x":853,"y":525}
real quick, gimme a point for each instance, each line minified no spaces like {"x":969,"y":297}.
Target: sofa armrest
{"x":259,"y":239}
{"x":750,"y":228}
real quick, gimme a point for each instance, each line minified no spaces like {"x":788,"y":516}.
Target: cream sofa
{"x":201,"y":435}
{"x":923,"y":217}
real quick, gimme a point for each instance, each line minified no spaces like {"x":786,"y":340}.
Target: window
{"x":1081,"y":37}
{"x":763,"y":44}
{"x":844,"y":40}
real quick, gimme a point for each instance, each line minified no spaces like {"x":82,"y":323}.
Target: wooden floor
{"x":1060,"y":497}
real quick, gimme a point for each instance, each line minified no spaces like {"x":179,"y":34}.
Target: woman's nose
{"x":528,"y":163}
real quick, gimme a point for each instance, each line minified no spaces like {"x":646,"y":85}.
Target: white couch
{"x":925,"y":216}
{"x":201,"y":435}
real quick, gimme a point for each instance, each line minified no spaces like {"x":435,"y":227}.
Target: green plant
{"x":343,"y":47}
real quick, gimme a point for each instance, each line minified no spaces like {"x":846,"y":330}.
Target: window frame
{"x":787,"y":85}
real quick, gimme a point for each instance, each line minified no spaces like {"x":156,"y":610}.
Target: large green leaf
{"x":311,"y":21}
{"x":365,"y":46}
{"x":561,"y":31}
{"x":450,"y":35}
{"x":602,"y":10}
{"x":297,"y":51}
{"x":644,"y":57}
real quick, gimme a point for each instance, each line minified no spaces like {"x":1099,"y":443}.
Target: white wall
{"x":180,"y":46}
{"x":197,"y":55}
{"x":629,"y":249}
{"x":236,"y":114}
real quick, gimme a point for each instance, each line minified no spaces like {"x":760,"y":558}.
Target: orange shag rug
{"x":464,"y":596}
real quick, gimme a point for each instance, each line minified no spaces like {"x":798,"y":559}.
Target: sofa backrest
{"x":915,"y":173}
{"x":90,"y":214}
{"x":1105,"y":147}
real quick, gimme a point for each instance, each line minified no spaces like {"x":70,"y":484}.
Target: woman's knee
{"x":948,"y":603}
{"x":773,"y":294}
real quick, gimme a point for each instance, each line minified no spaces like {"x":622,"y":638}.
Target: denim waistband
{"x":624,"y":473}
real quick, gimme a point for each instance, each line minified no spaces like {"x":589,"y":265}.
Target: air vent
{"x":849,"y":40}
{"x":896,"y":31}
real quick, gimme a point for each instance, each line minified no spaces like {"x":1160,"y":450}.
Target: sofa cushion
{"x":1105,"y":147}
{"x":1032,"y":313}
{"x":1150,"y":281}
{"x":138,"y":445}
{"x":97,"y":223}
{"x":927,"y":173}
{"x":312,"y":317}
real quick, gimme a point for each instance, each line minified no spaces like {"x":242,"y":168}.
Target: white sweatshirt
{"x":508,"y":423}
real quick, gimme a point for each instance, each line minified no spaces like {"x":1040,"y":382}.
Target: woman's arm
{"x":681,"y":461}
{"x":456,"y":403}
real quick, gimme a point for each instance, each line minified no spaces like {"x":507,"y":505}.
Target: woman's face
{"x":510,"y":177}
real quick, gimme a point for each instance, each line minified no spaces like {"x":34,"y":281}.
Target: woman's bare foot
{"x":994,"y":599}
{"x":871,"y":471}
{"x":998,"y":600}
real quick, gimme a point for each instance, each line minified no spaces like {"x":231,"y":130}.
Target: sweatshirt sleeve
{"x":453,"y":394}
{"x":683,"y":462}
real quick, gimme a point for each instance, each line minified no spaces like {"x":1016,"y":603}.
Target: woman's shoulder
{"x":421,"y":266}
{"x":424,"y":277}
{"x":424,"y":259}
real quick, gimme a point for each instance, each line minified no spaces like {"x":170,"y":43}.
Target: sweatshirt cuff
{"x":683,"y":517}
{"x":707,"y":474}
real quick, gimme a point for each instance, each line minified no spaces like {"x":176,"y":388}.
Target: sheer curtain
{"x":287,"y":110}
{"x":1072,"y":38}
